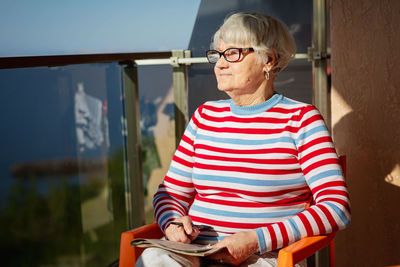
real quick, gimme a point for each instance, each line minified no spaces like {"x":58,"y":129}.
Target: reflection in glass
{"x":62,"y":166}
{"x":157,"y":128}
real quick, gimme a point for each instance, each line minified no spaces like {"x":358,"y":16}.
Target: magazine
{"x":177,"y":247}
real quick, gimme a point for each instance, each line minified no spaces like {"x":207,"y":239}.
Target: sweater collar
{"x":255,"y":109}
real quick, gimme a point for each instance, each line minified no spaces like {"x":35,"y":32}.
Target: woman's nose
{"x":221,"y":62}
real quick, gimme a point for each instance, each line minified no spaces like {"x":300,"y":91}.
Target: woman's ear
{"x":271,"y":61}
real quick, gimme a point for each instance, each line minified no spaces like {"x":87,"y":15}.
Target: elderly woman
{"x":248,"y":167}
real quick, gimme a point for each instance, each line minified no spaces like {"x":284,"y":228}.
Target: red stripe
{"x":180,"y":209}
{"x":273,"y":109}
{"x":186,"y":151}
{"x":246,"y":130}
{"x":177,"y":182}
{"x":174,"y":195}
{"x":305,"y":110}
{"x":248,"y":160}
{"x":271,"y":231}
{"x":306,"y":224}
{"x":303,"y":198}
{"x":308,"y":121}
{"x":320,"y":140}
{"x":215,"y":109}
{"x":318,"y":220}
{"x":284,"y":110}
{"x":187,"y":140}
{"x":172,"y":201}
{"x":246,"y":120}
{"x":247,"y":151}
{"x":315,"y":153}
{"x":239,"y":203}
{"x":195,"y":121}
{"x":297,"y":200}
{"x":328,"y":192}
{"x":284,"y":234}
{"x":246,"y":169}
{"x":227,"y":224}
{"x":250,"y":193}
{"x":330,"y":218}
{"x":320,"y":163}
{"x":182,"y":161}
{"x":327,"y":185}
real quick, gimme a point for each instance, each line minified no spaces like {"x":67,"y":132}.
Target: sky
{"x":59,"y":27}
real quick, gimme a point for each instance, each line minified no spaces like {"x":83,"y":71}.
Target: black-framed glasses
{"x":230,"y":54}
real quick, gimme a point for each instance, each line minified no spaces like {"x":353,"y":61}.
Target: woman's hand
{"x":239,"y":247}
{"x":185,"y":233}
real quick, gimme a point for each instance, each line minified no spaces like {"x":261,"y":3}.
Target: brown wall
{"x":365,"y":43}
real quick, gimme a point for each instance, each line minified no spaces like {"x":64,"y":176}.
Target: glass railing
{"x":63,"y":166}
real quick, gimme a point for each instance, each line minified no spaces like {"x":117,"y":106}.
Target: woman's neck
{"x":257,"y":97}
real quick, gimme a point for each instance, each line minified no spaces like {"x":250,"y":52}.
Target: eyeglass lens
{"x":230,"y":54}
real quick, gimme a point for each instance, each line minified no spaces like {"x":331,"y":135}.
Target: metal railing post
{"x":318,"y":53}
{"x":179,"y":80}
{"x":134,"y":184}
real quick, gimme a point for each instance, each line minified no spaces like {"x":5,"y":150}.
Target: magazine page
{"x":178,"y":247}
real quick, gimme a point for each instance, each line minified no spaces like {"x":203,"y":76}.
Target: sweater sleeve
{"x":320,"y":166}
{"x":176,"y":192}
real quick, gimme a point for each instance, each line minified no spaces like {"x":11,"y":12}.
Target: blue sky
{"x":57,"y":27}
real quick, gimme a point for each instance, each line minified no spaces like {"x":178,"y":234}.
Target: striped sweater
{"x":256,"y":167}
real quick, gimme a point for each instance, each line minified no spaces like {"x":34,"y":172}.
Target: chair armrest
{"x":129,"y":254}
{"x":303,"y":249}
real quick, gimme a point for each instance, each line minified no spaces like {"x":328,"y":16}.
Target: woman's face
{"x":245,"y":76}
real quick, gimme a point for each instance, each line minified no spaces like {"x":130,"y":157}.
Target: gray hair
{"x":267,"y":35}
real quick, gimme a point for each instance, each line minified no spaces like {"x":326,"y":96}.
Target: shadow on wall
{"x":368,"y":132}
{"x":366,"y":109}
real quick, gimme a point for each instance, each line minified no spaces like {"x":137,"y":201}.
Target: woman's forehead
{"x":222,"y":45}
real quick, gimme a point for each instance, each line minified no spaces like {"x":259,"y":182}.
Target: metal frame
{"x":54,"y":61}
{"x":319,"y":56}
{"x":134,"y":197}
{"x":179,"y":81}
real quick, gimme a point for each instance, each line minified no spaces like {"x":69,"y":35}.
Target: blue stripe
{"x":288,"y":101}
{"x":190,"y":129}
{"x":324,"y":174}
{"x":249,"y":215}
{"x":245,"y":141}
{"x":310,"y":132}
{"x":180,"y":172}
{"x":255,"y":109}
{"x":296,"y":231}
{"x":339,"y":212}
{"x":261,"y":241}
{"x":255,"y":182}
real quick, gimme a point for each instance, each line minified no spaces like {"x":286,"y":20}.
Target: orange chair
{"x":129,"y":254}
{"x":287,"y":257}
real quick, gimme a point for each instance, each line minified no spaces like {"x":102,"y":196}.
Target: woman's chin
{"x":224,"y":88}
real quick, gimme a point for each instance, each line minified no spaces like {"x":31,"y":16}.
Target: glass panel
{"x":294,"y":82}
{"x":61,"y":166}
{"x":157,"y":128}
